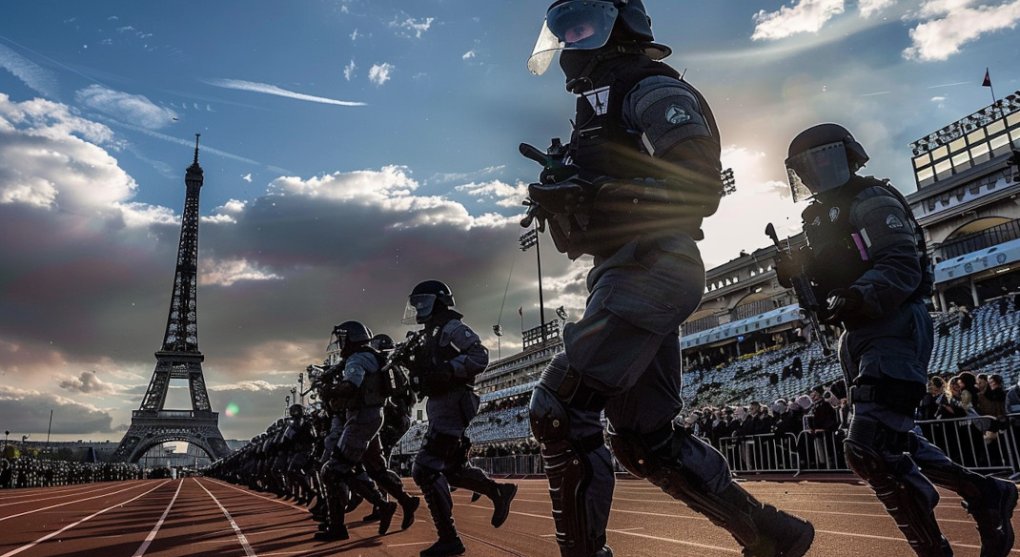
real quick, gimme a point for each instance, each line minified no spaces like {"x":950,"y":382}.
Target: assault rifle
{"x":553,"y":171}
{"x":802,"y":289}
{"x":405,"y":355}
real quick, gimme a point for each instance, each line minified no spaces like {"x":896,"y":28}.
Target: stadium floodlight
{"x":529,"y":239}
{"x":729,"y":182}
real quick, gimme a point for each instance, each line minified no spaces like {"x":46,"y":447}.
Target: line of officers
{"x":337,"y":454}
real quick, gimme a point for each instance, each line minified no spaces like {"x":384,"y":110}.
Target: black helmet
{"x":589,"y":25}
{"x":350,"y":335}
{"x":424,"y":298}
{"x":297,"y":411}
{"x":822,"y":158}
{"x":382,"y":342}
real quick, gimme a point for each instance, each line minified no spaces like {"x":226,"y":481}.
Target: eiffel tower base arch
{"x":155,"y":428}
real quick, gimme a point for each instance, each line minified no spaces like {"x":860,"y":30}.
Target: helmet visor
{"x":418,"y":309}
{"x":575,"y":25}
{"x":818,"y":170}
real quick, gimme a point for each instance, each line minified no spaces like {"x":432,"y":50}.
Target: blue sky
{"x":354,"y":147}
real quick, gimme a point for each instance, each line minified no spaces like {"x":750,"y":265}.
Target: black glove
{"x":555,"y":171}
{"x":843,"y":302}
{"x":561,"y":197}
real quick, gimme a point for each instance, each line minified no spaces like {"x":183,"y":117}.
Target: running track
{"x":171,"y":518}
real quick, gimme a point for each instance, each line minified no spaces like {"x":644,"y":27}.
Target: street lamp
{"x":6,"y":435}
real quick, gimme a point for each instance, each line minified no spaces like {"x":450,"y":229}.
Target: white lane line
{"x":49,"y":491}
{"x":628,"y":533}
{"x":159,"y":523}
{"x":889,"y":538}
{"x":240,"y":535}
{"x":409,"y":544}
{"x":91,"y":489}
{"x":69,"y":526}
{"x":270,"y":499}
{"x":67,"y":503}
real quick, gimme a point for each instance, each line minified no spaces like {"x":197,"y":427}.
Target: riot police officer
{"x":299,"y":439}
{"x":640,"y":173}
{"x":395,"y":422}
{"x":357,"y":397}
{"x":444,"y":372}
{"x":867,"y":259}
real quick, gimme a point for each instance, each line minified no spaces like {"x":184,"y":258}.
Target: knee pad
{"x":874,"y":453}
{"x":423,"y":476}
{"x":337,"y":469}
{"x":550,"y":421}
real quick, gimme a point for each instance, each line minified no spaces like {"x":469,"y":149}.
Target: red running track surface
{"x":204,"y":517}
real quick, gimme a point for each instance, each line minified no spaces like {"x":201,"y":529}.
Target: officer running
{"x":445,"y":372}
{"x":640,"y":173}
{"x":356,"y":398}
{"x":877,"y":291}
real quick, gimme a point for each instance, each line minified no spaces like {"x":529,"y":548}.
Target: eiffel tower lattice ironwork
{"x":179,"y":357}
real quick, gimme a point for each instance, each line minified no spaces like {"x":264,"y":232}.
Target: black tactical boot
{"x":505,"y":494}
{"x":444,"y":548}
{"x":779,"y":534}
{"x":408,"y":507}
{"x":992,"y":510}
{"x":331,"y":534}
{"x":989,"y":500}
{"x":386,"y":513}
{"x":373,"y":516}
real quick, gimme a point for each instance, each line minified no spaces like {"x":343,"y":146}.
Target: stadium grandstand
{"x":748,"y":340}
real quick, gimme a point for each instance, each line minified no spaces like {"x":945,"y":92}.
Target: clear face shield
{"x":575,"y":25}
{"x":335,"y":348}
{"x":818,"y":170}
{"x":418,"y":309}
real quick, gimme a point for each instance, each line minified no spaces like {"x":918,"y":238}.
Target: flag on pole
{"x":988,"y":79}
{"x":520,"y":311}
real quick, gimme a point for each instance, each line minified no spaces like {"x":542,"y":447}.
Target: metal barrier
{"x":821,"y":452}
{"x":979,"y":443}
{"x":761,"y":453}
{"x":983,"y":443}
{"x":519,"y":465}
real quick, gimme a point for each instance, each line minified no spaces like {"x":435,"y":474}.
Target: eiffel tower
{"x":179,"y":358}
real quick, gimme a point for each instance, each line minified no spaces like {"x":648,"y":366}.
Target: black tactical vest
{"x":839,"y":255}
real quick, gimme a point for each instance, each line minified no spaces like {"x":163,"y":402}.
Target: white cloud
{"x":136,"y":109}
{"x":252,"y":386}
{"x":469,"y":55}
{"x":380,"y":73}
{"x":804,"y":16}
{"x":228,"y":272}
{"x":952,"y":23}
{"x":53,"y":159}
{"x":354,"y":35}
{"x":88,"y":383}
{"x":390,"y":189}
{"x":226,"y":213}
{"x":31,"y":74}
{"x":505,"y":194}
{"x":869,"y":8}
{"x":349,"y":70}
{"x":466,"y":176}
{"x":247,"y":177}
{"x":411,"y":26}
{"x":268,"y":89}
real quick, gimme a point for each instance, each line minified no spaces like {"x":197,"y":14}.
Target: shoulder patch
{"x":893,"y":222}
{"x":833,"y":214}
{"x":675,"y":115}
